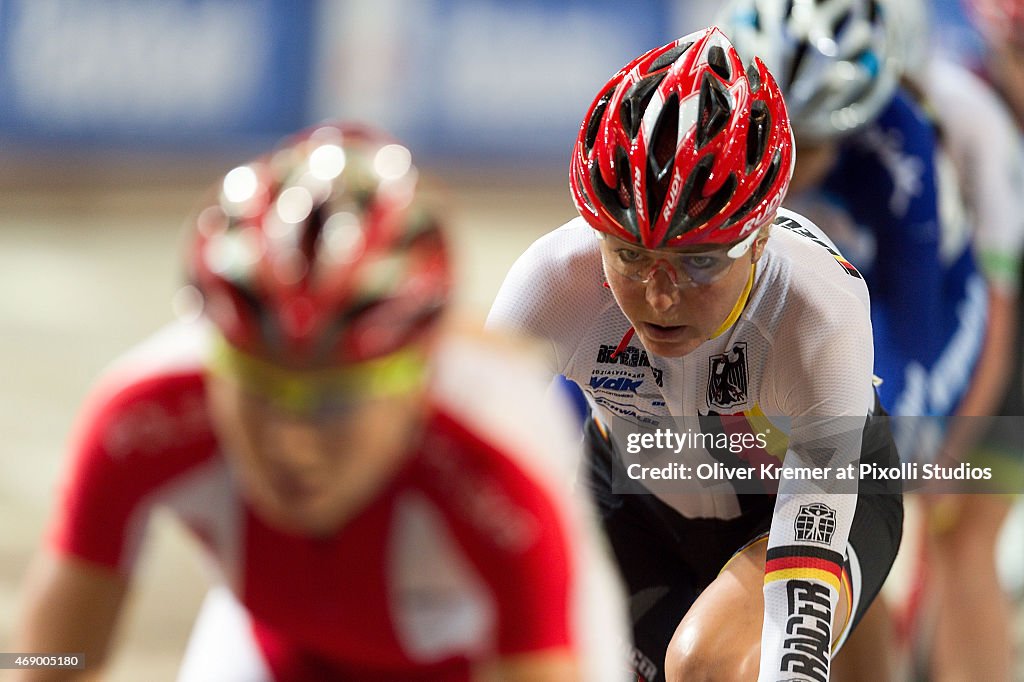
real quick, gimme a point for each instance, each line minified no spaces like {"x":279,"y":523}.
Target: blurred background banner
{"x":146,"y":74}
{"x":467,"y":79}
{"x":462,"y":80}
{"x":479,"y":78}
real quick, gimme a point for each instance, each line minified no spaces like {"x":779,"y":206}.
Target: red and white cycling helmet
{"x":320,"y":253}
{"x":684,"y":146}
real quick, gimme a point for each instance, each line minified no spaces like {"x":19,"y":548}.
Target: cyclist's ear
{"x":758,"y":247}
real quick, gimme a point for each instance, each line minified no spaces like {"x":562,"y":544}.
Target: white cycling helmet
{"x":914,"y":33}
{"x":835,"y":60}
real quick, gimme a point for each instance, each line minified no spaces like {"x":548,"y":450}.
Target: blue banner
{"x":464,"y":79}
{"x":475,"y":79}
{"x":145,"y":73}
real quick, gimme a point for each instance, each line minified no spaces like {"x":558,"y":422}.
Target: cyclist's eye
{"x":701,"y":262}
{"x":630,"y":256}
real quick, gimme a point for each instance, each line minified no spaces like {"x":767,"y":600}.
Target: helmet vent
{"x":635,"y":102}
{"x":624,"y":188}
{"x":583,"y":194}
{"x":757,"y":134}
{"x":714,"y":110}
{"x":594,"y":124}
{"x":697,"y":209}
{"x":617,"y":200}
{"x":311,"y":235}
{"x":669,"y":58}
{"x":665,"y":137}
{"x":841,"y":22}
{"x":761,"y":192}
{"x":609,"y":197}
{"x":251,"y":306}
{"x":754,"y":77}
{"x":719,"y":63}
{"x":662,"y":153}
{"x":799,"y":54}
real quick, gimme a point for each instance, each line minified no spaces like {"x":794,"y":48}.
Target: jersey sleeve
{"x":986,"y":149}
{"x":528,"y":302}
{"x":829,"y":394}
{"x":128,"y":442}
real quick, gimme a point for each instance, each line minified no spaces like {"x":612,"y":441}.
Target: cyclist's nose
{"x":297,"y":444}
{"x":662,"y":292}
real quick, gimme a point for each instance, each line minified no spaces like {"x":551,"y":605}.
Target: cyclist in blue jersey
{"x":881,"y":194}
{"x":872,"y":173}
{"x":869,"y":171}
{"x":975,"y":618}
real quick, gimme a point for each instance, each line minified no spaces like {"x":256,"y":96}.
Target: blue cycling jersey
{"x":928,"y":301}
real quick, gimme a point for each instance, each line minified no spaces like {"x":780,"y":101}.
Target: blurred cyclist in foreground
{"x":373,"y":509}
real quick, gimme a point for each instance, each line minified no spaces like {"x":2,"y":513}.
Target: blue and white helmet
{"x":835,"y":60}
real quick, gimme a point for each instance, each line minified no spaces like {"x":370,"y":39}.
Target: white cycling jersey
{"x":985,"y":147}
{"x":794,"y":360}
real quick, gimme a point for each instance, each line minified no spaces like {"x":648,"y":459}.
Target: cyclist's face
{"x":308,"y":474}
{"x":671,"y":317}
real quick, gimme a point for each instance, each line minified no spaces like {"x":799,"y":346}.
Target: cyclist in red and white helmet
{"x":685,"y":300}
{"x":369,"y":511}
{"x":707,"y":148}
{"x":320,"y":254}
{"x":875,"y":174}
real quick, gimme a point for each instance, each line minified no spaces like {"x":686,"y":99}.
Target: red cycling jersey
{"x":470,"y":552}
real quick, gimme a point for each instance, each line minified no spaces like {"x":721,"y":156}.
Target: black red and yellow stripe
{"x":805,"y":563}
{"x":811,"y":563}
{"x":850,"y":270}
{"x":797,"y":561}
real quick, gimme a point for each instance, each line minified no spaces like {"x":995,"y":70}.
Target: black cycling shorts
{"x":666,"y":560}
